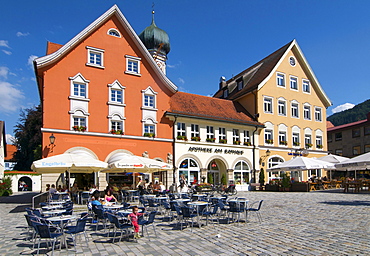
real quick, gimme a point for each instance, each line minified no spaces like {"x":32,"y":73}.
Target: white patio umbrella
{"x":301,"y":163}
{"x":73,"y":163}
{"x":333,"y":158}
{"x":361,"y":162}
{"x":136,"y":164}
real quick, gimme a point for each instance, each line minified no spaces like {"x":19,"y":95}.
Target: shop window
{"x":189,"y":168}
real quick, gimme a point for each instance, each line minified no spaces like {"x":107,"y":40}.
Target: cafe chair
{"x":43,"y":232}
{"x":84,"y":197}
{"x":235,"y":209}
{"x":100,"y":216}
{"x":210,"y":212}
{"x":187,"y":214}
{"x":256,"y":209}
{"x":124,"y":227}
{"x":145,"y":223}
{"x":79,"y":229}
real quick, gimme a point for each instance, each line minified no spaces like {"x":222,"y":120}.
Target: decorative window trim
{"x":98,"y":51}
{"x":149,"y":92}
{"x":134,"y":59}
{"x":116,"y":85}
{"x":277,"y":79}
{"x":292,"y":61}
{"x":78,"y":79}
{"x":115,"y":31}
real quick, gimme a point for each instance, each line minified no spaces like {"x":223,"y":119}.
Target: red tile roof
{"x":52,"y":47}
{"x":346,"y":125}
{"x":192,"y":105}
{"x":10,"y":150}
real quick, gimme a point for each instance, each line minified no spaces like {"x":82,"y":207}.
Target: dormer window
{"x":226,"y":93}
{"x":240,"y":84}
{"x":113,"y":32}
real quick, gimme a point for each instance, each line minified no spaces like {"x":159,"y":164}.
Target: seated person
{"x":109,"y":197}
{"x":162,"y":188}
{"x":95,"y":199}
{"x":156,"y":187}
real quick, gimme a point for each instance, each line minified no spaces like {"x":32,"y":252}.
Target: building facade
{"x":282,"y":92}
{"x":351,"y":139}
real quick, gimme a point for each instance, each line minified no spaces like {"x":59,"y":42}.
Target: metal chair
{"x":77,"y":230}
{"x":124,"y":227}
{"x":188,"y":215}
{"x":256,"y":210}
{"x":84,"y":197}
{"x":145,"y":223}
{"x":43,"y":232}
{"x":100,"y":215}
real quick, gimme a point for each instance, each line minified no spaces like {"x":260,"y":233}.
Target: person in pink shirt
{"x":134,"y":217}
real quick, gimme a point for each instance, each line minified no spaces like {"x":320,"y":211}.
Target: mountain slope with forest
{"x":357,"y":113}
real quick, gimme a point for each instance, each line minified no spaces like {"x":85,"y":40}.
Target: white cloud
{"x":4,"y":43}
{"x":4,"y":71}
{"x":9,"y":139}
{"x":30,"y":60}
{"x":181,"y":81}
{"x":342,"y":107}
{"x":7,"y":52}
{"x":10,"y":97}
{"x":19,"y":34}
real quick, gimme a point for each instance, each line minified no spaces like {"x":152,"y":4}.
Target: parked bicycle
{"x":230,"y":190}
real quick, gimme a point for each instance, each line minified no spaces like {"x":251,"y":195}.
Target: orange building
{"x":103,"y":94}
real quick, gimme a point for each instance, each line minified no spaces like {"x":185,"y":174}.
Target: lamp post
{"x":263,"y":158}
{"x":52,"y":142}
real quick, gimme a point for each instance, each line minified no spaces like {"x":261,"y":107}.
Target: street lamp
{"x":262,"y":158}
{"x":52,"y":142}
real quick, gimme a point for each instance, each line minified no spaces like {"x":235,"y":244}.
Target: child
{"x":134,"y":216}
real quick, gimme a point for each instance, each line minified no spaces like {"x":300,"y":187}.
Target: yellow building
{"x":283,"y":93}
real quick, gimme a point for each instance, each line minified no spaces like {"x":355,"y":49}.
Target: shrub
{"x":6,"y":187}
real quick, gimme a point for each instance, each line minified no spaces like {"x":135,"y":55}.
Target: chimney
{"x":222,"y":82}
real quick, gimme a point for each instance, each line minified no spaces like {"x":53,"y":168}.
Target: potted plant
{"x":285,"y":181}
{"x":223,"y":141}
{"x":180,"y":137}
{"x":319,"y":146}
{"x":283,"y":142}
{"x":308,"y":145}
{"x":247,"y":143}
{"x":236,"y":142}
{"x":149,"y":134}
{"x":113,"y":131}
{"x":195,"y":138}
{"x":210,"y":139}
{"x":79,"y":128}
{"x":296,"y":143}
{"x":269,"y":141}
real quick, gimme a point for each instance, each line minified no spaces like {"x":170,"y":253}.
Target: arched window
{"x":241,"y":173}
{"x":272,"y":162}
{"x":190,"y":169}
{"x":113,"y":32}
{"x":213,"y":175}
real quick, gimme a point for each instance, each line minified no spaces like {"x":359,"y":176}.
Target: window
{"x":282,"y":139}
{"x":318,"y":115}
{"x":356,"y":150}
{"x":295,"y":112}
{"x":221,"y":134}
{"x":268,"y":137}
{"x":149,"y":101}
{"x":116,"y":96}
{"x":241,"y":173}
{"x":226,"y":93}
{"x":367,"y":148}
{"x":247,"y":137}
{"x":314,"y":172}
{"x":367,"y":130}
{"x":295,"y":138}
{"x":338,"y":136}
{"x":319,"y":144}
{"x":280,"y":79}
{"x":194,"y":130}
{"x":356,"y":133}
{"x":306,"y":86}
{"x":181,"y":129}
{"x":210,"y":132}
{"x":236,"y":137}
{"x":293,"y":83}
{"x":307,"y":112}
{"x":132,"y":65}
{"x":240,"y":84}
{"x":330,"y":137}
{"x":116,"y":125}
{"x":339,"y":152}
{"x":79,"y":122}
{"x":114,"y":32}
{"x":149,"y":128}
{"x":282,"y":107}
{"x":307,"y":140}
{"x":267,"y":105}
{"x":79,"y":90}
{"x":95,"y":57}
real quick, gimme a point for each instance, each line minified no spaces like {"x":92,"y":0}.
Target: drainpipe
{"x":174,"y":151}
{"x":254,"y":157}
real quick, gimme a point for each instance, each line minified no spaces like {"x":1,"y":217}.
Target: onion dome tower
{"x":157,"y":42}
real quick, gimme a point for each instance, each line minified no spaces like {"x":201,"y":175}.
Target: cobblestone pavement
{"x":314,"y":223}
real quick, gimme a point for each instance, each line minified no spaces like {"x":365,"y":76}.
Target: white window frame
{"x":149,"y":93}
{"x":307,"y":139}
{"x":295,"y":139}
{"x":306,"y":86}
{"x":269,"y":135}
{"x":268,"y":104}
{"x":210,"y":132}
{"x":282,"y":137}
{"x":294,"y":106}
{"x":116,"y":125}
{"x":221,"y":133}
{"x":282,"y":107}
{"x":280,"y":79}
{"x":79,"y":121}
{"x":306,"y":112}
{"x":115,"y":33}
{"x":291,"y":82}
{"x":132,"y":59}
{"x":318,"y":114}
{"x":95,"y":51}
{"x":247,"y":137}
{"x":236,"y":136}
{"x":319,"y":141}
{"x":181,"y":129}
{"x":194,"y":130}
{"x":79,"y":79}
{"x":149,"y":128}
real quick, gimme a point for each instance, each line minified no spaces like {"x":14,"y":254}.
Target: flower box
{"x":210,"y":139}
{"x":223,"y":141}
{"x":149,"y":134}
{"x":320,"y":146}
{"x":117,"y":132}
{"x":308,"y":145}
{"x":295,"y":143}
{"x":195,"y":138}
{"x":270,"y":141}
{"x":236,"y":142}
{"x":79,"y":128}
{"x":247,"y":143}
{"x":182,"y":138}
{"x":283,"y":142}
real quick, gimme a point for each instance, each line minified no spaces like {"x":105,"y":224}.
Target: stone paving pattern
{"x":314,"y":223}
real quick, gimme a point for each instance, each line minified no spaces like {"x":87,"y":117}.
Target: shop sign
{"x":215,"y":151}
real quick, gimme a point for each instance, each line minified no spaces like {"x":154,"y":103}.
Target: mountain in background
{"x":357,"y":113}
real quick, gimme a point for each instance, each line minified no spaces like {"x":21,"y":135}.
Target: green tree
{"x":27,"y":135}
{"x":223,"y":179}
{"x":261,"y":179}
{"x":210,"y":178}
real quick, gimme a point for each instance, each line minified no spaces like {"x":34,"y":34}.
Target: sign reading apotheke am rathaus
{"x":215,"y":151}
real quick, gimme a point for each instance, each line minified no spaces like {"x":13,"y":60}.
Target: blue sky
{"x":209,"y":39}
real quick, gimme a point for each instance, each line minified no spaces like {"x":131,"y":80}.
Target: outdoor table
{"x":182,"y":200}
{"x":52,"y":207}
{"x":355,"y":184}
{"x":126,"y":212}
{"x":112,"y":207}
{"x":197,"y":205}
{"x":53,"y":212}
{"x":57,"y":202}
{"x":149,"y":196}
{"x":312,"y":185}
{"x":325,"y":184}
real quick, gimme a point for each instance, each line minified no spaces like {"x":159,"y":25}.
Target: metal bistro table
{"x":241,"y":203}
{"x":53,"y":212}
{"x":197,"y":205}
